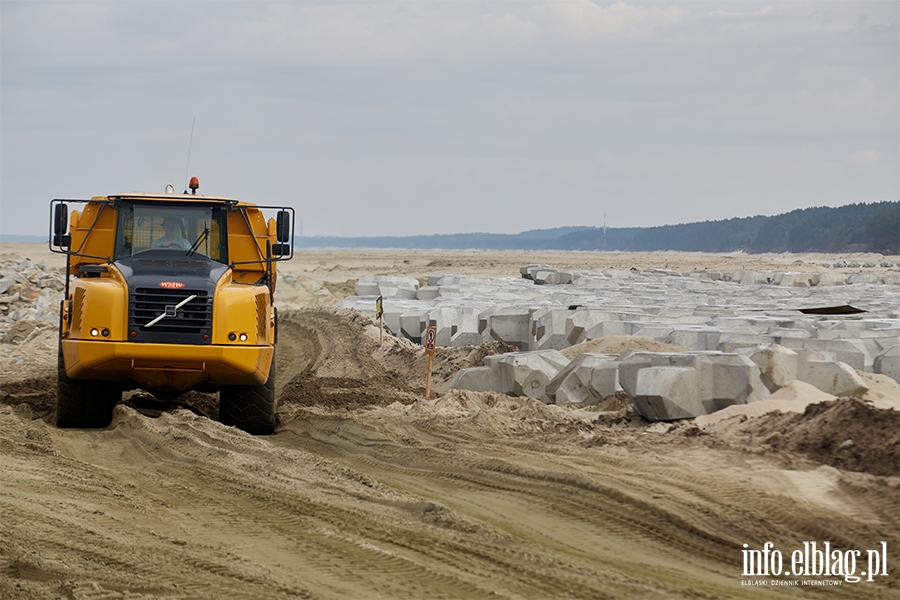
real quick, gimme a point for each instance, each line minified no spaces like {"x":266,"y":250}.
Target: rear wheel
{"x":250,"y":407}
{"x":81,"y":403}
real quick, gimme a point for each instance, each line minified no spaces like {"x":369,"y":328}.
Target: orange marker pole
{"x":379,"y":308}
{"x":430,"y":337}
{"x":428,"y":381}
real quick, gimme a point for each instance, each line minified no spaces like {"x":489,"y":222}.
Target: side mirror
{"x":61,"y":225}
{"x":281,"y":250}
{"x":283,"y":227}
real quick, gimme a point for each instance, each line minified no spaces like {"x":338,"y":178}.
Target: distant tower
{"x":301,"y":226}
{"x":604,"y":226}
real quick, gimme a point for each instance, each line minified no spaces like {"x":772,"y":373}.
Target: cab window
{"x":145,"y":227}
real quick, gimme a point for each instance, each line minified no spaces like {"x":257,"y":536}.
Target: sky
{"x":409,"y":118}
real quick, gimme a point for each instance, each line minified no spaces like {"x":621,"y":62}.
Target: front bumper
{"x":167,"y":367}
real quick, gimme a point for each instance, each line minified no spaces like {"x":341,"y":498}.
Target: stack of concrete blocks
{"x":387,"y":286}
{"x":586,"y":380}
{"x":727,"y":311}
{"x":669,"y":386}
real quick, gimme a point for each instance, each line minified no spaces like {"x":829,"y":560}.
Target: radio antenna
{"x":190,"y":143}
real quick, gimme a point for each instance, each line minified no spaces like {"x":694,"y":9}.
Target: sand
{"x":367,"y":490}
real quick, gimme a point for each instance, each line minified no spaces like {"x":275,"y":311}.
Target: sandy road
{"x":467,"y":496}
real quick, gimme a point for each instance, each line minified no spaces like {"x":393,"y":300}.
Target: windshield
{"x":195,"y":230}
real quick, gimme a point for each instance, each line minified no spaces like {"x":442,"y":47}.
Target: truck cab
{"x":169,"y":293}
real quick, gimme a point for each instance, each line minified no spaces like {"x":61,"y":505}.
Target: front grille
{"x":188,"y":324}
{"x":180,"y":263}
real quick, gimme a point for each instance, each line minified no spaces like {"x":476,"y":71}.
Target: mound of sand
{"x":617,"y":344}
{"x":793,"y":397}
{"x":845,"y":433}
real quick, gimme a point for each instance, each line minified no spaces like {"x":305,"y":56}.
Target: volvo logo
{"x":172,"y":285}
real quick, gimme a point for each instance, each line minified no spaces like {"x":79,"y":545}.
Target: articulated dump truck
{"x":169,"y":293}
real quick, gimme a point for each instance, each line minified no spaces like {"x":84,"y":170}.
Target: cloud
{"x":662,"y":110}
{"x":729,"y":14}
{"x":583,"y":21}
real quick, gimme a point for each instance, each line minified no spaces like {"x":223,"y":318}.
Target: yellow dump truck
{"x":168,"y":293}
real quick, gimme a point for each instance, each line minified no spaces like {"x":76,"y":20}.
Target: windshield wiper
{"x":196,"y":244}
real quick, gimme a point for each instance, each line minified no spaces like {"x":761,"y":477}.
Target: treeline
{"x":873,"y":227}
{"x":859,"y":227}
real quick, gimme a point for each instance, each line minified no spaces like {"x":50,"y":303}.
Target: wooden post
{"x":430,"y":336}
{"x":428,"y":381}
{"x":379,"y":308}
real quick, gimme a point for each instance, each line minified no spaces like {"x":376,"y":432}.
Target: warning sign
{"x":430,"y":336}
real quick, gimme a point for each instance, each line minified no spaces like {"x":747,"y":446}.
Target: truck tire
{"x":250,"y":407}
{"x":81,"y":403}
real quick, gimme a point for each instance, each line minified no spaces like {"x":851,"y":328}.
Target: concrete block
{"x":580,"y":321}
{"x":512,"y":325}
{"x":753,"y":277}
{"x":451,"y":291}
{"x":633,"y":361}
{"x":525,"y":270}
{"x":438,"y":279}
{"x":528,"y":373}
{"x":735,"y":342}
{"x":667,"y":393}
{"x":477,"y":379}
{"x":797,"y":280}
{"x":888,"y":363}
{"x":552,"y":276}
{"x":412,"y":324}
{"x":852,"y":352}
{"x":529,"y":271}
{"x":467,"y":333}
{"x":728,"y":379}
{"x":392,"y":320}
{"x":548,"y":328}
{"x":605,"y":379}
{"x":696,"y":338}
{"x":428,"y":292}
{"x":466,"y":338}
{"x":777,"y":364}
{"x":657,"y":331}
{"x":823,"y":279}
{"x":387,"y":286}
{"x":366,"y":288}
{"x":832,"y":377}
{"x":666,"y":386}
{"x":446,"y":320}
{"x":587,"y":380}
{"x":608,"y":328}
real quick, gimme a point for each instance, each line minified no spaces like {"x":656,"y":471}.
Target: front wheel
{"x":82,"y":403}
{"x":250,"y":407}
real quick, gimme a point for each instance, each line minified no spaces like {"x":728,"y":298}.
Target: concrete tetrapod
{"x":666,"y":386}
{"x":888,"y":363}
{"x":777,"y":364}
{"x":832,"y":377}
{"x":586,"y":380}
{"x":527,"y":373}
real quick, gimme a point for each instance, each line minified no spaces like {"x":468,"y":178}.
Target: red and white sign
{"x":172,"y":285}
{"x":430,"y":335}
